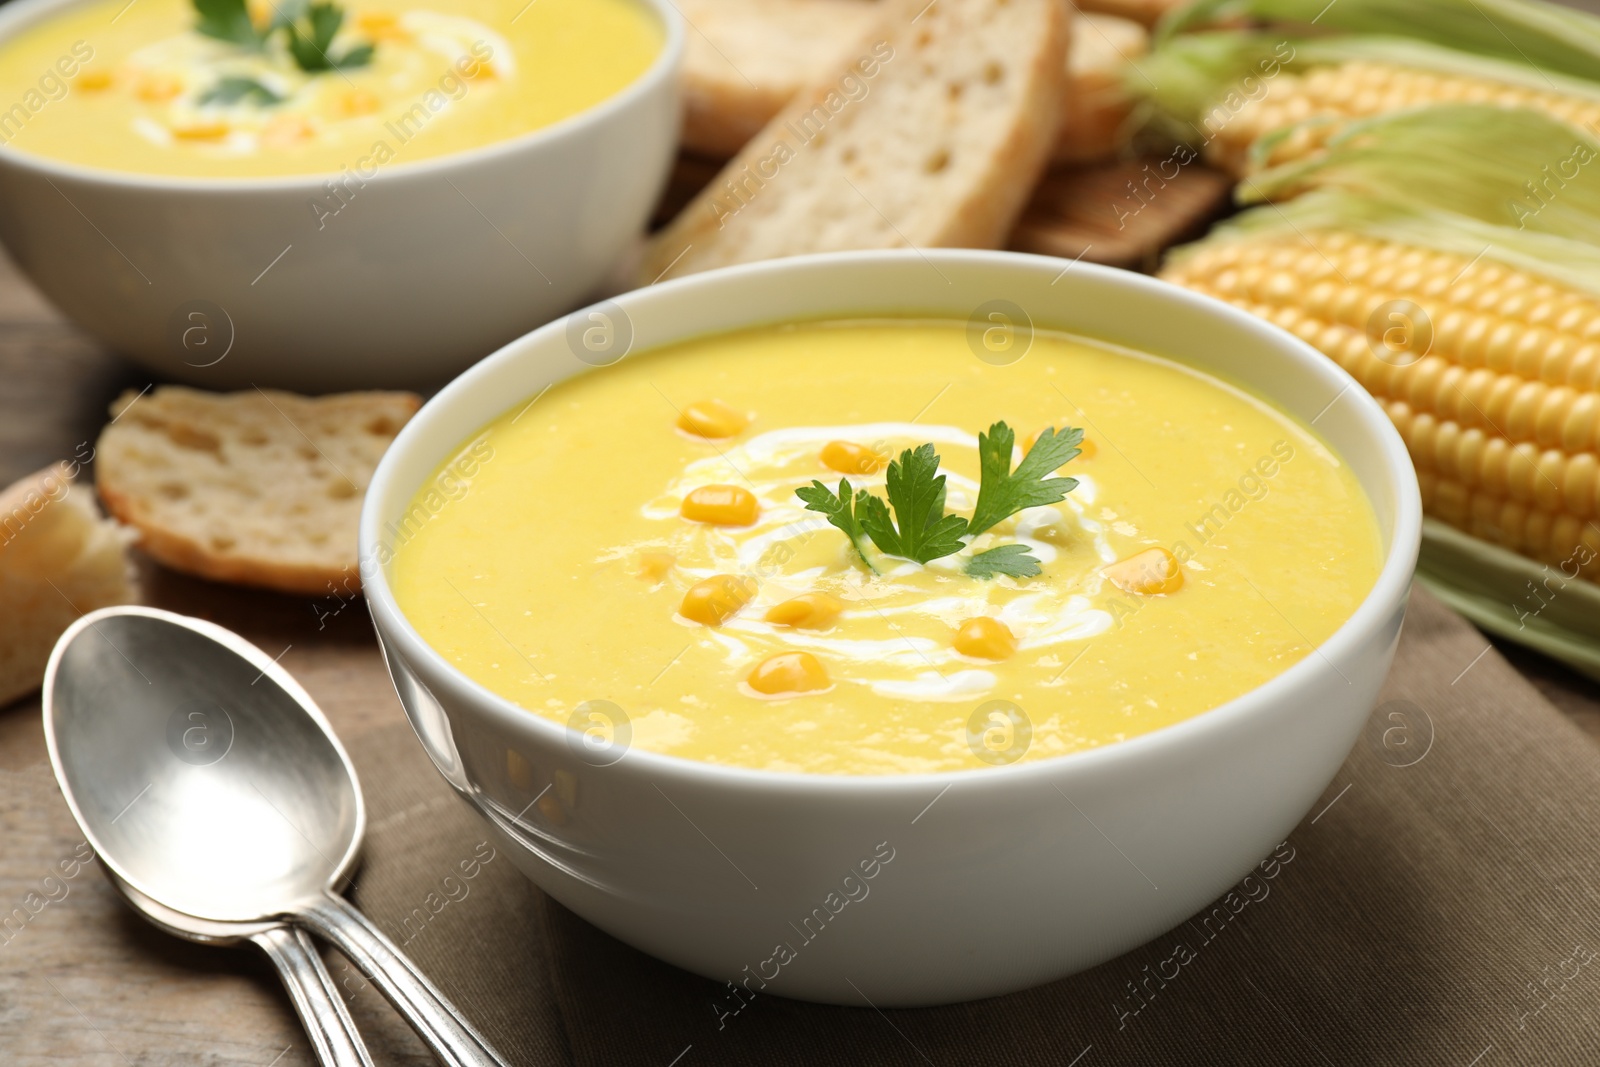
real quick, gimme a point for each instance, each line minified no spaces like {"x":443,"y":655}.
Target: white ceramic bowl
{"x":1018,"y":874}
{"x":429,"y":266}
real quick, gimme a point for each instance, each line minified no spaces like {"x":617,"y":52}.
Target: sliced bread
{"x":58,"y":560}
{"x":744,"y":59}
{"x":257,"y":487}
{"x":930,"y":133}
{"x":1122,"y":214}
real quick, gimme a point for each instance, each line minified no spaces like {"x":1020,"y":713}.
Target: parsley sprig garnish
{"x":309,"y":29}
{"x":1014,"y":560}
{"x":229,"y":20}
{"x":311,"y":36}
{"x":233,"y":88}
{"x":919,"y":528}
{"x":1003,"y":492}
{"x":840,"y":510}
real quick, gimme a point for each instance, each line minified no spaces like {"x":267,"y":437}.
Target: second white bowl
{"x":428,"y":267}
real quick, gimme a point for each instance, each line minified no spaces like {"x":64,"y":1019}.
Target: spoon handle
{"x":333,"y":1033}
{"x":436,"y":1020}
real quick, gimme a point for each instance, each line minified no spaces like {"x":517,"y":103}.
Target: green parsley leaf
{"x":232,"y":88}
{"x":358,"y":55}
{"x":1015,"y":560}
{"x":311,"y":37}
{"x":920,"y":530}
{"x":1003,"y":492}
{"x":841,"y":510}
{"x":309,"y":29}
{"x":228,"y":20}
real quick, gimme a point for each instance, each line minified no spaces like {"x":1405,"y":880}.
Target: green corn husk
{"x":1192,"y":75}
{"x":1514,"y":597}
{"x":1561,"y":259}
{"x":1507,"y":167}
{"x":1551,"y":38}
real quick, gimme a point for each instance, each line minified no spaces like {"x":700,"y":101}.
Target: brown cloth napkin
{"x":1436,"y":907}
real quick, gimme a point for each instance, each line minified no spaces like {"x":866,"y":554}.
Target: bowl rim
{"x":1387,"y":594}
{"x":660,"y":76}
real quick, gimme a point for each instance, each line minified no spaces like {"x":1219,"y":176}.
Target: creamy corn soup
{"x":633,"y":536}
{"x":288,"y":90}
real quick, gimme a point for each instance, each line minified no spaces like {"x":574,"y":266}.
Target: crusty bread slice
{"x":1144,"y":12}
{"x":257,"y":487}
{"x":1122,"y":214}
{"x":1098,"y":106}
{"x":931,"y":133}
{"x":744,"y":59}
{"x":58,"y":560}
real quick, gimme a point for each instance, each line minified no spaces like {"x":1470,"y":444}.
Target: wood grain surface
{"x":84,"y":980}
{"x":81,"y":979}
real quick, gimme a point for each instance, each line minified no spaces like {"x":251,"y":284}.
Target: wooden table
{"x":119,"y":999}
{"x":67,"y":998}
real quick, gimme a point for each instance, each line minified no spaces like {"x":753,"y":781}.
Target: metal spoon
{"x":334,"y":1037}
{"x":208,"y":781}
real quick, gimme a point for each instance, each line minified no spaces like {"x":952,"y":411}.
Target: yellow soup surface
{"x":590,"y":558}
{"x":135,"y":87}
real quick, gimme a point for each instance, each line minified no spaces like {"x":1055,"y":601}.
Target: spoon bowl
{"x":204,"y":779}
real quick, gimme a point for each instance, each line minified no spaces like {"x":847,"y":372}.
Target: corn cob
{"x":1495,"y":388}
{"x":1562,"y":540}
{"x":1336,"y":94}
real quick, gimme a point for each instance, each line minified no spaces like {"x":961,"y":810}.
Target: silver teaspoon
{"x":208,"y":781}
{"x":333,"y":1034}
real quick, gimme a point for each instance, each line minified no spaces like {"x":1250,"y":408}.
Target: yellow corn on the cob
{"x":1362,"y":88}
{"x":1497,"y":394}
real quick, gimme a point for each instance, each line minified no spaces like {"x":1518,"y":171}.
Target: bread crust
{"x":990,"y":211}
{"x":58,"y":561}
{"x":204,"y":444}
{"x":978,"y":214}
{"x":746,"y":59}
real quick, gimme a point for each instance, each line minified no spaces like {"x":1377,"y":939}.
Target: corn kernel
{"x":720,"y":505}
{"x":1155,"y":570}
{"x":358,"y":102}
{"x":201,"y":131}
{"x":381,"y":26}
{"x":92,"y":81}
{"x":653,"y":566}
{"x":551,"y":809}
{"x":286,"y":131}
{"x":712,"y":418}
{"x":155,"y":88}
{"x":847,"y":457}
{"x":717,"y":599}
{"x":518,"y":770}
{"x":789,"y":672}
{"x":808,"y":611}
{"x":985,"y":638}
